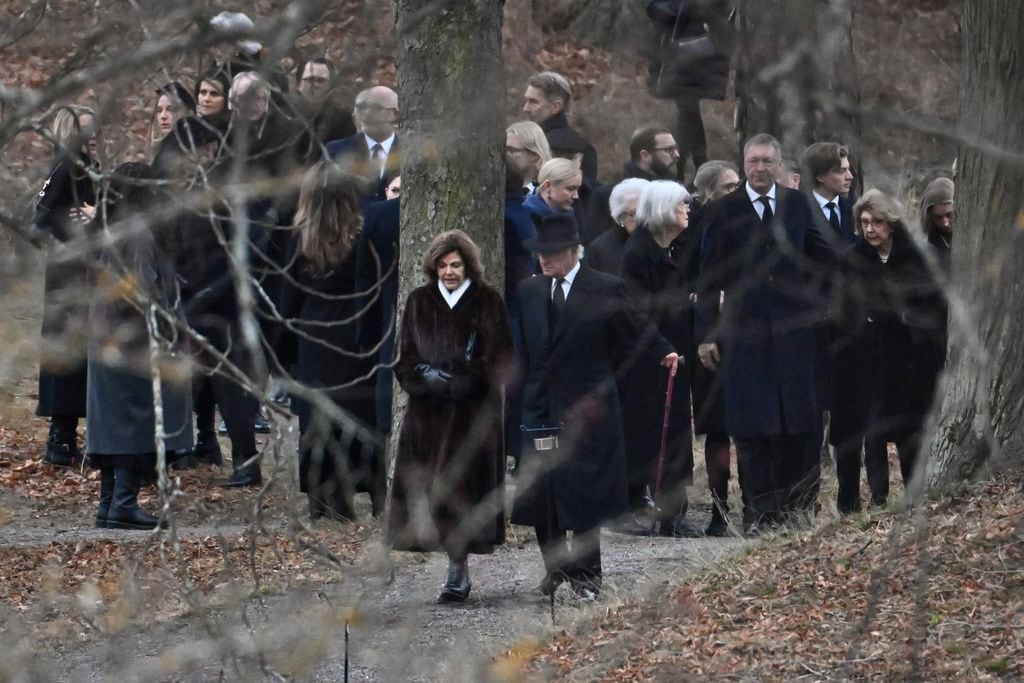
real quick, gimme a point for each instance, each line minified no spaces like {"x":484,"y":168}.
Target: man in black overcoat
{"x":578,"y":334}
{"x":760,"y":247}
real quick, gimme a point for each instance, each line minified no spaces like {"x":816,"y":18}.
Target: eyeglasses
{"x":873,"y":222}
{"x":670,"y":149}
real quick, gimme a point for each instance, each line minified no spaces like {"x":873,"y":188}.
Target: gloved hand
{"x":436,"y":379}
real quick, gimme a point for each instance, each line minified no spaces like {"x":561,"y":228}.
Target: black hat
{"x":554,"y":234}
{"x":176,"y":91}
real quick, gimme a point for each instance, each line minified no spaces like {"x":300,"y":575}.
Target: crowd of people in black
{"x":770,"y":311}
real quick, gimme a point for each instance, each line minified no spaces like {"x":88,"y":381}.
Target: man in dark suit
{"x":653,"y":155}
{"x":377,"y":281}
{"x":578,"y":335}
{"x":760,"y":245}
{"x":827,"y":164}
{"x":375,"y":153}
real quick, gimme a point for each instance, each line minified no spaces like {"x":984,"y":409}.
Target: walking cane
{"x":664,"y":446}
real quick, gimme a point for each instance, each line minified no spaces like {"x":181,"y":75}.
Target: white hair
{"x":256,"y":83}
{"x":658,"y":202}
{"x":628,"y":189}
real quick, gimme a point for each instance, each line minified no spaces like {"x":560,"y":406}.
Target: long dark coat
{"x":450,"y":468}
{"x":309,"y":302}
{"x":766,"y":330}
{"x":888,"y":316}
{"x":570,"y":380}
{"x":120,"y":395}
{"x":682,"y":20}
{"x":62,"y":366}
{"x":660,"y":282}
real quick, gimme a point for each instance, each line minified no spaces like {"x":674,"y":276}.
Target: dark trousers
{"x":905,"y":433}
{"x":717,"y":463}
{"x":771,"y":469}
{"x":580,"y":562}
{"x":690,"y":134}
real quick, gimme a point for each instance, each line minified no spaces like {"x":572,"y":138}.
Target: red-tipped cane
{"x":664,"y":444}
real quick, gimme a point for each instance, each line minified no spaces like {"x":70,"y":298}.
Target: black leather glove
{"x":437,"y":380}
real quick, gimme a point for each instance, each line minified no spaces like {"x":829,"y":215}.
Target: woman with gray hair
{"x":659,"y":268}
{"x":605,"y":253}
{"x":884,"y":370}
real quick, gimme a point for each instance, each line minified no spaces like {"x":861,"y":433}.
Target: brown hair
{"x":939,"y":191}
{"x":328,"y":217}
{"x":822,"y":157}
{"x":447,"y":242}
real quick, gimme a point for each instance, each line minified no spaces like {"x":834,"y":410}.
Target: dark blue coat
{"x":766,"y":328}
{"x":354,"y":155}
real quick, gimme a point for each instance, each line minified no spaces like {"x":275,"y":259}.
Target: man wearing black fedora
{"x":578,"y":334}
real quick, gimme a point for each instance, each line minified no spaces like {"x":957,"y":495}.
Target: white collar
{"x":386,"y":144}
{"x":452,"y":298}
{"x":569,"y":278}
{"x":754,"y":194}
{"x":822,"y":201}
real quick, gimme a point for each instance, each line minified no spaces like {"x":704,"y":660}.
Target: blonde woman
{"x":527,"y":150}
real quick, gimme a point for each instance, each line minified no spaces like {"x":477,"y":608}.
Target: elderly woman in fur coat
{"x":455,"y":351}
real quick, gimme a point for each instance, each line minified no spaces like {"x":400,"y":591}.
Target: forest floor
{"x":931,"y":592}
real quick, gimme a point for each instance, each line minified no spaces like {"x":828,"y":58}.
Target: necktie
{"x":833,"y":216}
{"x":377,"y":158}
{"x":557,"y":303}
{"x":767,"y":215}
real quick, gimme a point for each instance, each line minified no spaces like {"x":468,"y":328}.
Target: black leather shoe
{"x":245,"y":476}
{"x":678,"y":527}
{"x":136,"y":518}
{"x":717,"y":527}
{"x":550,"y":583}
{"x":185,"y":460}
{"x":207,"y":448}
{"x":456,"y":588}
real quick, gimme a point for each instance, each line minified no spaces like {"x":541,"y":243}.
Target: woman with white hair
{"x":605,"y":253}
{"x":659,"y":268}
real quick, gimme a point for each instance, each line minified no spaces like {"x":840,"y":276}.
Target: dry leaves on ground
{"x":870,"y":596}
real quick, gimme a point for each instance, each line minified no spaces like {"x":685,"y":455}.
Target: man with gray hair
{"x":375,"y":152}
{"x":546,"y":102}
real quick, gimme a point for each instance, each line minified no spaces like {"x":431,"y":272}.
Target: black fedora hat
{"x":554,"y":234}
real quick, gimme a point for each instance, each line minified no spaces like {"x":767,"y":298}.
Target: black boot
{"x":208,"y":448}
{"x":456,"y":587}
{"x":244,"y":475}
{"x":719,"y":525}
{"x":106,"y":495}
{"x":125,"y":512}
{"x":62,"y":443}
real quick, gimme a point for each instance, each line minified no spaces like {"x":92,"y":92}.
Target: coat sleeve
{"x":409,"y":355}
{"x":715,"y":271}
{"x":637,"y":340}
{"x":369,"y":285}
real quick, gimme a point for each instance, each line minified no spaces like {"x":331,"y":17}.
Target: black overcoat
{"x":766,"y":327}
{"x":62,"y":366}
{"x":449,"y":472}
{"x":570,"y":380}
{"x":660,"y":282}
{"x":888,"y":317}
{"x":320,"y":346}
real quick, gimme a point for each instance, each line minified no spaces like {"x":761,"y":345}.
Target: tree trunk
{"x":981,"y":423}
{"x":799,"y":85}
{"x":451,"y":90}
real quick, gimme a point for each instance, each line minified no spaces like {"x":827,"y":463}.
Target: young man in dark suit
{"x":578,"y":334}
{"x":760,"y":246}
{"x":827,"y":164}
{"x":374,"y":153}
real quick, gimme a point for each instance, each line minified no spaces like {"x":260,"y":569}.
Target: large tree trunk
{"x":451,"y":90}
{"x":796,"y":75}
{"x":981,"y":423}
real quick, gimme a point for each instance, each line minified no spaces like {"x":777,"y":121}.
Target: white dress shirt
{"x":758,"y":204}
{"x":385,"y":145}
{"x":567,"y":284}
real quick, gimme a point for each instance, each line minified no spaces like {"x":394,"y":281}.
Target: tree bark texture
{"x":796,"y":75}
{"x":451,"y":92}
{"x":981,"y":424}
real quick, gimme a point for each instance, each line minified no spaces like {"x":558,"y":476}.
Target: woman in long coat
{"x":659,"y":270}
{"x":454,"y":353}
{"x":337,"y":458}
{"x":888,"y":317}
{"x":64,"y":207}
{"x":134,"y":274}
